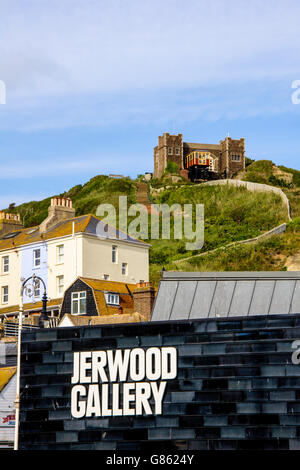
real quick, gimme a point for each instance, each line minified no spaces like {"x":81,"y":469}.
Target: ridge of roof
{"x":91,"y":282}
{"x":28,"y":235}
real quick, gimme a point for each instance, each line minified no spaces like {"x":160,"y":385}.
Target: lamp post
{"x":29,"y":291}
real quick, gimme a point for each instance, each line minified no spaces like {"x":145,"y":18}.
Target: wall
{"x":236,"y":387}
{"x":71,"y":266}
{"x":27,"y":268}
{"x":12,"y":278}
{"x":97,"y":260}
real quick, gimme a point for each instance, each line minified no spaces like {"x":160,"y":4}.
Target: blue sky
{"x":90,"y":84}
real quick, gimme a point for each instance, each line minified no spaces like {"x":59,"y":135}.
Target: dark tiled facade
{"x":236,"y":387}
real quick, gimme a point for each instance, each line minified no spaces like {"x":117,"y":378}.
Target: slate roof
{"x":88,"y":224}
{"x":196,"y":295}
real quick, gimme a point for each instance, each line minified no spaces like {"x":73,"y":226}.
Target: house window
{"x":60,"y":254}
{"x":177,"y":151}
{"x":236,"y":158}
{"x":36,"y":258}
{"x":37,"y":288}
{"x":5,"y":264}
{"x":124,"y":269}
{"x":170,"y":151}
{"x":5,"y":294}
{"x":106,"y":277}
{"x":114,"y":252}
{"x":113,"y":299}
{"x":60,"y":285}
{"x":78,"y":306}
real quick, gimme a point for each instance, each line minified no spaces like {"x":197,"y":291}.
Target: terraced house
{"x":61,"y":249}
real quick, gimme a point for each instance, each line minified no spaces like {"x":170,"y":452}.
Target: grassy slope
{"x":99,"y":190}
{"x":230,"y":214}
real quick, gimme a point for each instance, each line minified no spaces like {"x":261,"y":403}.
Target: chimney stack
{"x":143,"y":297}
{"x":61,"y":208}
{"x":9,"y":223}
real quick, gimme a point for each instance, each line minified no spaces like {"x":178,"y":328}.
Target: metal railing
{"x":11,"y":328}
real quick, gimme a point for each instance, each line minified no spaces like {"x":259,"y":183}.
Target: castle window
{"x":177,"y":151}
{"x":236,"y":158}
{"x":170,"y":151}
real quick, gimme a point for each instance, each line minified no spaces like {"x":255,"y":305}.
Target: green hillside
{"x":264,"y":171}
{"x":231,"y":214}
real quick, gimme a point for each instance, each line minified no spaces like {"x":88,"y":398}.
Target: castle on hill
{"x":198,"y":161}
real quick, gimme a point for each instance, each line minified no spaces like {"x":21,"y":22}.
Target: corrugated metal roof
{"x":193,"y":295}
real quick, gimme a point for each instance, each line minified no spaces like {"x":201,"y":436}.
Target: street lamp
{"x":28,"y":289}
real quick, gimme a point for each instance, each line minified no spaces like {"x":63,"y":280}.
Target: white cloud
{"x":102,"y":62}
{"x":88,"y":46}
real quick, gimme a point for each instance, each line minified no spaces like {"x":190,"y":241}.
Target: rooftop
{"x":196,"y":295}
{"x":88,"y":224}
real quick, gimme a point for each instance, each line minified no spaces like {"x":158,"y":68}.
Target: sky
{"x":90,"y":84}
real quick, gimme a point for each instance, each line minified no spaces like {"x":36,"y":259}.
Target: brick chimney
{"x":61,"y":208}
{"x":9,"y":223}
{"x":143,"y":298}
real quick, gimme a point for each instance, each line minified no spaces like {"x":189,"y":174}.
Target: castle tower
{"x":169,"y":148}
{"x":232,"y":156}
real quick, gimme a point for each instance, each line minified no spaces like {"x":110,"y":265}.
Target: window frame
{"x":126,"y":269}
{"x":58,"y":278}
{"x":35,"y":258}
{"x":37,"y":291}
{"x":78,"y":293}
{"x":60,"y":256}
{"x":112,"y":298}
{"x":3,"y":294}
{"x":114,"y":254}
{"x":4,"y":264}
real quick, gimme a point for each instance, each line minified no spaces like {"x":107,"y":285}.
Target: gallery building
{"x":216,"y":368}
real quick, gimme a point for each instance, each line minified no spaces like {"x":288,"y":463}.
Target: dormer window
{"x":78,"y":303}
{"x":112,"y":298}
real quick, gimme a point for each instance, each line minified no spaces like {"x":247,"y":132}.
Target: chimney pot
{"x":61,"y":208}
